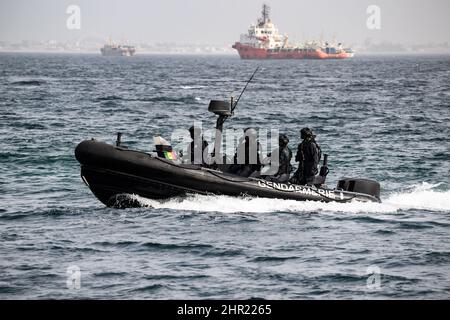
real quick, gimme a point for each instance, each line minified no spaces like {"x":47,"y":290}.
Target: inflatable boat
{"x":114,"y":172}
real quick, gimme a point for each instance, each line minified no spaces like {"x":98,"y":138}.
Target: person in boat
{"x":196,"y":149}
{"x":308,"y":157}
{"x":247,"y":159}
{"x":284,"y":164}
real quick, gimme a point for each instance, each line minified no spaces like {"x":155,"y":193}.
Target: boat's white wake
{"x":423,"y":196}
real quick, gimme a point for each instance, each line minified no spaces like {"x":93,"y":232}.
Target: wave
{"x":420,"y":197}
{"x":182,"y":99}
{"x":28,"y":82}
{"x":192,"y":87}
{"x":108,"y":98}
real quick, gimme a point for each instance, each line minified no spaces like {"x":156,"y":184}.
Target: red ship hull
{"x":249,"y":52}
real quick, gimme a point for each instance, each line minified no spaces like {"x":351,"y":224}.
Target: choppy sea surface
{"x":381,"y":117}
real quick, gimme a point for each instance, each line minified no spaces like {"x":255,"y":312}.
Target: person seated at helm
{"x":308,"y":157}
{"x":196,"y":149}
{"x":284,"y":165}
{"x":247,"y":160}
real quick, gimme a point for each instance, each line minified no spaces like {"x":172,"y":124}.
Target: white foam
{"x":419,"y":197}
{"x":422,"y":197}
{"x":192,"y":87}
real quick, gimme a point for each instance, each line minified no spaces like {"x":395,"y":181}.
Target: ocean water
{"x":381,"y":117}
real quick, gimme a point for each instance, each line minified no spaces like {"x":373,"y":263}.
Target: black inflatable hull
{"x":111,"y":172}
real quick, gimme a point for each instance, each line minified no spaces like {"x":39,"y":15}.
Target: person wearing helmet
{"x":308,"y":157}
{"x":197,"y":147}
{"x":284,"y":165}
{"x":247,"y":161}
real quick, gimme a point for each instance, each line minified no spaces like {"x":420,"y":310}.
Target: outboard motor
{"x":366,"y":186}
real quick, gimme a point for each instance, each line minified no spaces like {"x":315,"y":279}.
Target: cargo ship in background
{"x":113,"y":49}
{"x":262,"y":41}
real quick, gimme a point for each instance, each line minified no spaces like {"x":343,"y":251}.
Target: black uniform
{"x":246,"y":163}
{"x":308,"y":156}
{"x":197,"y":146}
{"x":284,"y":169}
{"x":193,"y":148}
{"x":285,"y":161}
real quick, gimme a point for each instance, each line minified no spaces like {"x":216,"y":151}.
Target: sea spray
{"x":421,"y":196}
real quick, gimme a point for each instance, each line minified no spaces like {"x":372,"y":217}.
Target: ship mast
{"x":264,"y":14}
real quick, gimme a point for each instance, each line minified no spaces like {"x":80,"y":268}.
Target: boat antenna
{"x":237,"y":100}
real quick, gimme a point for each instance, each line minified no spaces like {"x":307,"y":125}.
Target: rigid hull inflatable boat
{"x":113,"y":172}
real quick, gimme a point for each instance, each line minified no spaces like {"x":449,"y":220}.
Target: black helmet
{"x":305,"y":132}
{"x":283,"y":139}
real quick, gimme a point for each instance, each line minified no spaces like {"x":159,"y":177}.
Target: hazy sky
{"x":222,"y":21}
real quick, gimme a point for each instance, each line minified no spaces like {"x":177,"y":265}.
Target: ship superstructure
{"x":263,"y":41}
{"x":114,"y":49}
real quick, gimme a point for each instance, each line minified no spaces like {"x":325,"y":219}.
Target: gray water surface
{"x":384,"y":118}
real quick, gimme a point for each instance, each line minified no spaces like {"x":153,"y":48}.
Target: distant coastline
{"x":92,"y":46}
{"x":221,"y":53}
